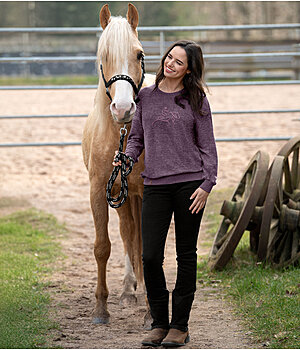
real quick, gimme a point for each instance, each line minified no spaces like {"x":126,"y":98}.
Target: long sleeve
{"x":206,"y":143}
{"x":135,"y":143}
{"x":179,"y":144}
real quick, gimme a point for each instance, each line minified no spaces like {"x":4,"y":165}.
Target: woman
{"x":173,"y":124}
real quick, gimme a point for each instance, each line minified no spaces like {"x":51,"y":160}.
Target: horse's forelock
{"x":116,"y":42}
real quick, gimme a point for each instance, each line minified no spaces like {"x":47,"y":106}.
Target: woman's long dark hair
{"x":193,"y":82}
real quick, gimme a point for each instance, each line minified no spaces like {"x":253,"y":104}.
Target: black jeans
{"x":159,"y":203}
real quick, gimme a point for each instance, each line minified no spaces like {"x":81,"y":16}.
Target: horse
{"x":119,"y":54}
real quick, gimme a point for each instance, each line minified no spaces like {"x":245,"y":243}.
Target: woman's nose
{"x":170,"y":63}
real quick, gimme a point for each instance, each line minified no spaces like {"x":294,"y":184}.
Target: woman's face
{"x":176,"y":64}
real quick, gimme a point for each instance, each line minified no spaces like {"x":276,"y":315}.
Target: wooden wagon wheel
{"x":290,"y":152}
{"x":279,"y":240}
{"x":280,"y":226}
{"x":237,"y":217}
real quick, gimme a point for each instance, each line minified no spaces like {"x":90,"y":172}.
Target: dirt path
{"x":55,"y":180}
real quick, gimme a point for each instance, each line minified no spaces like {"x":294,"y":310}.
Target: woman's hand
{"x":199,"y":201}
{"x":119,"y":162}
{"x":116,"y":163}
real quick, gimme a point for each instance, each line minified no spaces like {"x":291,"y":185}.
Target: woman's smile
{"x":169,"y":70}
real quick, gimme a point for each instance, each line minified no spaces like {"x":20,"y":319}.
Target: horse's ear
{"x":104,"y":16}
{"x":132,"y":16}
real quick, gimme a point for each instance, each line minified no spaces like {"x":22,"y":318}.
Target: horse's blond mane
{"x":114,"y":48}
{"x":116,"y":42}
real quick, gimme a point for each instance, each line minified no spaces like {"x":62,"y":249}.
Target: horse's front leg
{"x":132,"y":248}
{"x":102,"y":249}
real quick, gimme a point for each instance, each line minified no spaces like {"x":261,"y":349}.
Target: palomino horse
{"x":119,"y":53}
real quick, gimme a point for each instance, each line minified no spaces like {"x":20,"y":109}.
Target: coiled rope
{"x":126,"y":168}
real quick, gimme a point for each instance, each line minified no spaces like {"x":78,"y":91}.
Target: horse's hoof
{"x":147,"y":321}
{"x":100,"y":320}
{"x":128,"y":299}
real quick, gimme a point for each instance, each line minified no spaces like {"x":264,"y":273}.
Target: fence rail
{"x":78,"y":87}
{"x":64,"y":144}
{"x":147,"y":58}
{"x":91,"y":30}
{"x":261,"y":111}
{"x":161,"y":30}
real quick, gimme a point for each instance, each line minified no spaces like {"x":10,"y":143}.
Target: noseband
{"x":125,"y":77}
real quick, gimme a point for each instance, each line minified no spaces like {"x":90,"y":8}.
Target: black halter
{"x":125,"y":77}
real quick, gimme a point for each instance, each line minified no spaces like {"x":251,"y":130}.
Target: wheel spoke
{"x":247,"y":185}
{"x":279,"y":198}
{"x":295,"y":244}
{"x":274,"y":224}
{"x":277,"y":209}
{"x":273,"y":231}
{"x":286,"y":248}
{"x":239,"y":193}
{"x":295,"y":168}
{"x":287,"y":177}
{"x":273,"y":236}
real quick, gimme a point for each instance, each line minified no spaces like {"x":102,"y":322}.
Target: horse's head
{"x":120,"y":61}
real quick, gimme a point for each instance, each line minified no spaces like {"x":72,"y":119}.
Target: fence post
{"x":25,"y":53}
{"x":161,"y":43}
{"x":296,"y":63}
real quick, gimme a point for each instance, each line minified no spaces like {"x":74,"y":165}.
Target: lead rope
{"x":124,"y":173}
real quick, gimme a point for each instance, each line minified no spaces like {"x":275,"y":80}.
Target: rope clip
{"x":123,"y":129}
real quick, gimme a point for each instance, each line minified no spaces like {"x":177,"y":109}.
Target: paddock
{"x":54,"y":179}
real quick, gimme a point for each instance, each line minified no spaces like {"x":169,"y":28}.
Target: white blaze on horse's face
{"x":123,"y":106}
{"x":119,"y":50}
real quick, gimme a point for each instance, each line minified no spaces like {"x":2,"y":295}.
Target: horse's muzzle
{"x":126,"y":119}
{"x":123,"y":115}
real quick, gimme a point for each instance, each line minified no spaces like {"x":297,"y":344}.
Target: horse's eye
{"x":140,"y":55}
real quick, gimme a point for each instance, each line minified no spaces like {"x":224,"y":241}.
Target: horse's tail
{"x":136,"y":209}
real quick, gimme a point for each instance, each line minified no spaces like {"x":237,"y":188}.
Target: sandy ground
{"x":54,"y":179}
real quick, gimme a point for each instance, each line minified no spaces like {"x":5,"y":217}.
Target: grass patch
{"x":211,"y":218}
{"x":50,"y":80}
{"x":267,"y":299}
{"x":28,"y":247}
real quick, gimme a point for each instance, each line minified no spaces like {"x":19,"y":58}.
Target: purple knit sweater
{"x":179,"y":144}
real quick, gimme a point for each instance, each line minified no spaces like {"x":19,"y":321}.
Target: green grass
{"x":267,"y":299}
{"x":51,"y":80}
{"x":28,"y":248}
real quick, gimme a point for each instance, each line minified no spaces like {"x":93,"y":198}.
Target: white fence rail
{"x":291,"y":57}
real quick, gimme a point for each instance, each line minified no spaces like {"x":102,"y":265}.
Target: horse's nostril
{"x":113,"y":108}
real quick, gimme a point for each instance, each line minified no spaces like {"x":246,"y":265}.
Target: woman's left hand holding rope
{"x":119,"y":162}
